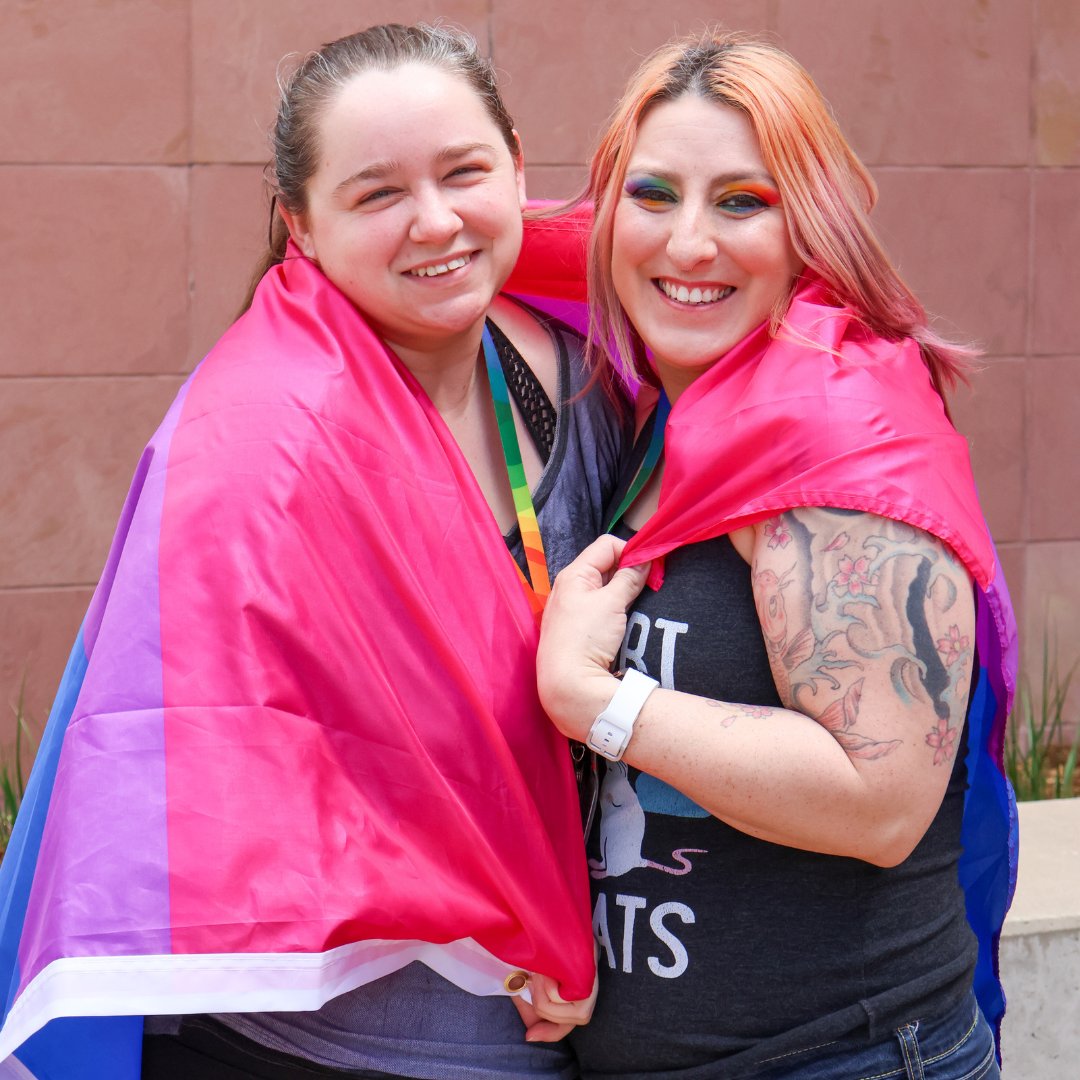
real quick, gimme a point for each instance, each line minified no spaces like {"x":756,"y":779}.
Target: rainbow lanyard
{"x":648,"y":462}
{"x":537,"y":585}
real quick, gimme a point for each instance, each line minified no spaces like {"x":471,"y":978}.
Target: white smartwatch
{"x":610,"y":733}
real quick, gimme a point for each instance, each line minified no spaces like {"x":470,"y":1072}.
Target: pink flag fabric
{"x":824,"y":414}
{"x":299,"y":742}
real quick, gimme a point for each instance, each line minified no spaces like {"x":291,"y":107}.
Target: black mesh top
{"x":535,"y":406}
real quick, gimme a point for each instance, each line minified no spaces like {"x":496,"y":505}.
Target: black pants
{"x":205,"y":1049}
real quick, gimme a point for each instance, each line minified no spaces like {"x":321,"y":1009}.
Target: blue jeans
{"x":957,"y":1046}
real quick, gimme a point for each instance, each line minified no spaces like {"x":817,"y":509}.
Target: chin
{"x":459,"y":320}
{"x":691,"y":358}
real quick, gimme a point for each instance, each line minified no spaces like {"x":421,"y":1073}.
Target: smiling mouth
{"x":441,"y":268}
{"x":682,"y":294}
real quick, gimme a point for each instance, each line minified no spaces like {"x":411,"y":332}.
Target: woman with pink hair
{"x":802,"y":855}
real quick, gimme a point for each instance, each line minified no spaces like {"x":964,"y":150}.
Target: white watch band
{"x":610,"y":733}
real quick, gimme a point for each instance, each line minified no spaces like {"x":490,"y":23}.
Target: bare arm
{"x":868,"y":625}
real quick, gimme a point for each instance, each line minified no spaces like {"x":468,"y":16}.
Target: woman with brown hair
{"x":298,"y":800}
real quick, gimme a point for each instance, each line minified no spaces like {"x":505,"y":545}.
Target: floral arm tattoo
{"x":844,"y":597}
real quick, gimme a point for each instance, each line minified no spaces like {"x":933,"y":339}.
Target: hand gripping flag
{"x":298,"y":743}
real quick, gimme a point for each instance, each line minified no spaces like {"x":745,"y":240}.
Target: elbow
{"x":892,"y":843}
{"x":887,"y":858}
{"x":893,"y":819}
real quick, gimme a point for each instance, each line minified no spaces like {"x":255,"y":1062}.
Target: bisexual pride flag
{"x":298,"y":744}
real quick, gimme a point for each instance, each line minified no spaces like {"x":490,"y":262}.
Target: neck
{"x":450,"y":374}
{"x":673,"y":390}
{"x":675,"y":382}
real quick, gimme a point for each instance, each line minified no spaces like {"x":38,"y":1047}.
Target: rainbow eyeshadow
{"x":640,"y":186}
{"x":765,"y":192}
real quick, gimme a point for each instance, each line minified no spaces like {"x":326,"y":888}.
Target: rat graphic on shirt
{"x":622,"y":828}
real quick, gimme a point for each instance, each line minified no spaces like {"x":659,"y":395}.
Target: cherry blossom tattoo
{"x":729,"y":710}
{"x":843,"y":596}
{"x":776,"y":531}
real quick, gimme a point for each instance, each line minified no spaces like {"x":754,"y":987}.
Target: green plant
{"x":1039,"y":761}
{"x":12,"y":785}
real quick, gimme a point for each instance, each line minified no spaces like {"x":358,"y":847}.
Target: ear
{"x":297,"y":224}
{"x":519,"y":169}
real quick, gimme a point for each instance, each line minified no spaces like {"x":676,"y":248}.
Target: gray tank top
{"x":739,"y":951}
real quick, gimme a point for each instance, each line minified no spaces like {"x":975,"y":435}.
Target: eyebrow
{"x":378,"y":169}
{"x":375,"y":171}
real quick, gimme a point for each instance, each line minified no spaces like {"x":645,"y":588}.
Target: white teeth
{"x":441,"y":268}
{"x":696,"y":295}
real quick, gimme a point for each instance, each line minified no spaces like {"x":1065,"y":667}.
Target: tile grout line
{"x":51,"y":587}
{"x":896,"y":166}
{"x":1029,"y":328}
{"x":91,"y":376}
{"x":189,"y":234}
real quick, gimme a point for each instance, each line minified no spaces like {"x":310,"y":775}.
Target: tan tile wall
{"x":130,"y":181}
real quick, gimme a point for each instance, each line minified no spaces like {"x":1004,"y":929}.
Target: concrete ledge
{"x":1040,"y":947}
{"x":1048,"y":884}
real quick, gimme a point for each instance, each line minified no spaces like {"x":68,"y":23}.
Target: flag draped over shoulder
{"x":298,"y":743}
{"x":827,"y":414}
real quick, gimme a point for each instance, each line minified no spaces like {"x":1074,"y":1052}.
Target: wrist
{"x":611,"y":731}
{"x":574,"y":703}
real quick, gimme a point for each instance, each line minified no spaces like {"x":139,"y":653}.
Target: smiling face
{"x":700,"y":245}
{"x":414,"y":209}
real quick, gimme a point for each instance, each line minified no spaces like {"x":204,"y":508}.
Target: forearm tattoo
{"x":845,"y":597}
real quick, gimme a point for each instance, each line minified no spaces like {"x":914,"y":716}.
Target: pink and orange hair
{"x":826,"y":191}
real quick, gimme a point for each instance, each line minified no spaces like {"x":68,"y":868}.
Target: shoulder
{"x":847,"y":550}
{"x":533,"y":340}
{"x":250,"y":368}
